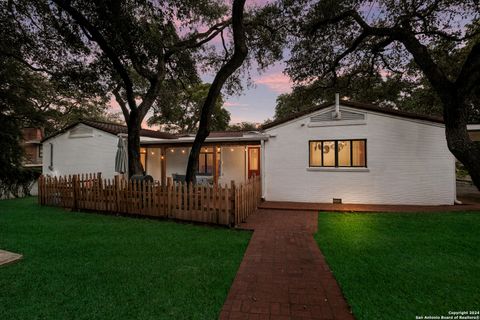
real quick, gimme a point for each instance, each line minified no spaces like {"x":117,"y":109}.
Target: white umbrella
{"x":121,"y":157}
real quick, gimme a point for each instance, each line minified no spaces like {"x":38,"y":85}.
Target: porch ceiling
{"x":152,"y":144}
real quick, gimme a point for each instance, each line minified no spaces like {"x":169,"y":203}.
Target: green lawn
{"x":88,"y":266}
{"x":397,"y":266}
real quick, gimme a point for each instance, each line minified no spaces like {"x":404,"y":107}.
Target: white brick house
{"x":356,"y":153}
{"x":394,"y":157}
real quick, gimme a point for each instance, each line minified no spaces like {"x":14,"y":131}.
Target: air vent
{"x":337,"y":200}
{"x":346,"y":115}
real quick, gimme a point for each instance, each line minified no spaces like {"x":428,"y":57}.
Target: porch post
{"x":262,"y":166}
{"x":163,"y":166}
{"x":215,"y":167}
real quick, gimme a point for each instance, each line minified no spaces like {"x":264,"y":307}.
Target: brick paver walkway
{"x":283,"y":274}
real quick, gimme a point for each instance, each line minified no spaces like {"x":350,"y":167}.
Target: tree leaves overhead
{"x":180,"y":110}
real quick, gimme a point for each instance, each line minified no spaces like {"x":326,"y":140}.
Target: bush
{"x":18,"y":182}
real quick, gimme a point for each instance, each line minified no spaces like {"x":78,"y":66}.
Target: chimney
{"x":337,"y":115}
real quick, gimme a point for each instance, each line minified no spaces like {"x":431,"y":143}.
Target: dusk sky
{"x":256,"y":104}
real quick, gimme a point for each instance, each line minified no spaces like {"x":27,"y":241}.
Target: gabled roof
{"x":115,"y":129}
{"x":356,"y":105}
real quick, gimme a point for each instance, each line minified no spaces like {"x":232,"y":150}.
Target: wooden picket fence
{"x":216,"y":204}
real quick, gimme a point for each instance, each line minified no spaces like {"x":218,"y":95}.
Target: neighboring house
{"x":474,"y":131}
{"x":32,"y":147}
{"x":350,"y":152}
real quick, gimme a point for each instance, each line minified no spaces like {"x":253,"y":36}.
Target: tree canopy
{"x":180,"y":111}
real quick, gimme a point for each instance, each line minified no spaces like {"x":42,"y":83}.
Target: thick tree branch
{"x":355,"y":44}
{"x":95,"y":34}
{"x":198,"y":39}
{"x":121,"y":103}
{"x":235,"y":61}
{"x":424,"y":59}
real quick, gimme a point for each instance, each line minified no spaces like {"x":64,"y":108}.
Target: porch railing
{"x":224,"y":205}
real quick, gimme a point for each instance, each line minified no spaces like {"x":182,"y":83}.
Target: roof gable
{"x":113,"y":128}
{"x":355,"y":105}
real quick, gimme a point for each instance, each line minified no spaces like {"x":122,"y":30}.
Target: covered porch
{"x":221,"y":161}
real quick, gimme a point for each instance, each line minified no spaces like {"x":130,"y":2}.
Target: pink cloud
{"x":234,"y":104}
{"x":277,"y":82}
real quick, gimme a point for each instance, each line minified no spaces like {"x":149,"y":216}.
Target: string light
{"x":231,"y":149}
{"x":218,"y":149}
{"x":171,"y":150}
{"x":183,"y":150}
{"x":162,"y":157}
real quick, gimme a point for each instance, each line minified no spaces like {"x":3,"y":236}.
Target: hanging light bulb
{"x":183,"y":150}
{"x":162,"y":157}
{"x":231,"y":149}
{"x":218,"y":149}
{"x":171,"y":150}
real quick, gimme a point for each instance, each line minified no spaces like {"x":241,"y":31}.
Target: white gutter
{"x":190,"y":140}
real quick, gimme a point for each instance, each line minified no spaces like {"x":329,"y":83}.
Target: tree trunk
{"x":458,"y":140}
{"x":134,"y":125}
{"x":239,"y":55}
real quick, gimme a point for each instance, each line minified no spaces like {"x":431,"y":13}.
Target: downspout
{"x":262,"y":166}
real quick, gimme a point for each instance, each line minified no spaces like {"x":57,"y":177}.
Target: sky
{"x":257,"y":103}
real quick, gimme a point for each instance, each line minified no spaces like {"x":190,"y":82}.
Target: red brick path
{"x":283,"y":274}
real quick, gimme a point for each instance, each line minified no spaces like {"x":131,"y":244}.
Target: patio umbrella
{"x":121,"y":157}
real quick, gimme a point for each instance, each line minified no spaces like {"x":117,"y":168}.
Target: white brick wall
{"x":408,"y":163}
{"x":81,"y":155}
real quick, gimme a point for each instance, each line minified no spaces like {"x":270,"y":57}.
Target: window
{"x":205,"y":161}
{"x":338,"y":153}
{"x":40,"y":151}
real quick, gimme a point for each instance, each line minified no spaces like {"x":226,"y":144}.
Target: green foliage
{"x":361,"y":86}
{"x":18,"y":181}
{"x":179,"y":110}
{"x":243,"y":126}
{"x":90,"y":266}
{"x":398,"y":266}
{"x":339,"y":44}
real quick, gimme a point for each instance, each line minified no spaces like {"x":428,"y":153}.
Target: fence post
{"x":169,"y":198}
{"x":75,"y":190}
{"x":232,"y":204}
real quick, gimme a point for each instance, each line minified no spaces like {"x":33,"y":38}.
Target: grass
{"x":87,"y":266}
{"x":398,"y":266}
